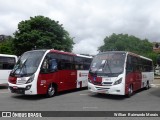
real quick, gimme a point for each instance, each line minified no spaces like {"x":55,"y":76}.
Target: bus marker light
{"x":43,"y":82}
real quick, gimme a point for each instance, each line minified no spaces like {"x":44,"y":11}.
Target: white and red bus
{"x":48,"y":72}
{"x":119,"y":73}
{"x":7,"y":63}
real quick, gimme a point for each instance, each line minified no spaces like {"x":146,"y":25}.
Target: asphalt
{"x":156,"y":80}
{"x":82,"y":100}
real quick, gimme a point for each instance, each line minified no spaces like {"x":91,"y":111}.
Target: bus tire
{"x":130,"y":91}
{"x":147,"y":86}
{"x":51,"y":91}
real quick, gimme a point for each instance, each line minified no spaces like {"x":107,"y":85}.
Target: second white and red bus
{"x":48,"y":72}
{"x":119,"y":73}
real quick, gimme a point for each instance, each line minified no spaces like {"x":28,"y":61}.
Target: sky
{"x":87,"y":21}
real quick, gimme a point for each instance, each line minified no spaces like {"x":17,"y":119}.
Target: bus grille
{"x":107,"y":83}
{"x":101,"y":88}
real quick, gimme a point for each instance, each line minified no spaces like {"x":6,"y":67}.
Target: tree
{"x":6,"y":47}
{"x":158,"y":59}
{"x":42,"y":33}
{"x":156,"y":45}
{"x":124,"y":42}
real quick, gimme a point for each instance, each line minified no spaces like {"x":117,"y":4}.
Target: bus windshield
{"x":108,"y":63}
{"x":28,"y":63}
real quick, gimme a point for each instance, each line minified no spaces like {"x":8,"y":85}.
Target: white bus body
{"x":7,"y":63}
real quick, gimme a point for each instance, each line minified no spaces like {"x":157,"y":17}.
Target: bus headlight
{"x":118,"y":81}
{"x":30,"y":79}
{"x":28,"y":87}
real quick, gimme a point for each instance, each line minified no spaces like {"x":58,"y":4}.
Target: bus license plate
{"x":104,"y":91}
{"x":15,"y":87}
{"x":106,"y":80}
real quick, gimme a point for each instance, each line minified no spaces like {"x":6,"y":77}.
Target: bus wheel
{"x":147,"y":86}
{"x":51,"y":91}
{"x":130,"y":91}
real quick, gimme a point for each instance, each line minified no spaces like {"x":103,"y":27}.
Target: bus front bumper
{"x":114,"y":89}
{"x":26,"y":89}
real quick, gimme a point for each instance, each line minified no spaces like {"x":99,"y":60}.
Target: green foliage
{"x":153,"y":56}
{"x":6,"y":47}
{"x":124,"y":42}
{"x":41,"y":33}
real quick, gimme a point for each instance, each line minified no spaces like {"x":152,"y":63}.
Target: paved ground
{"x":156,"y":82}
{"x":82,"y":100}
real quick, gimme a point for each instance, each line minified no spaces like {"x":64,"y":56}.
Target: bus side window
{"x":45,"y":65}
{"x":129,"y":67}
{"x":52,"y":65}
{"x":1,"y":66}
{"x":49,"y":65}
{"x":79,"y":64}
{"x":7,"y":63}
{"x":86,"y":64}
{"x":76,"y":67}
{"x":65,"y":62}
{"x":81,"y":67}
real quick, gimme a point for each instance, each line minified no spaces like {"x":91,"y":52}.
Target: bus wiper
{"x":20,"y":66}
{"x":23,"y":65}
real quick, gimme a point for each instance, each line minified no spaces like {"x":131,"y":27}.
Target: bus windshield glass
{"x":108,"y":63}
{"x":28,"y":63}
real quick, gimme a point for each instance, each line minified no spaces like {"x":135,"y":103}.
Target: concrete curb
{"x":156,"y":77}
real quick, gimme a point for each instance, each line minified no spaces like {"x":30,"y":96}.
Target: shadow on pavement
{"x":155,"y":92}
{"x":71,"y":91}
{"x":106,"y":96}
{"x":4,"y":87}
{"x":114,"y":97}
{"x":39,"y":97}
{"x":28,"y":97}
